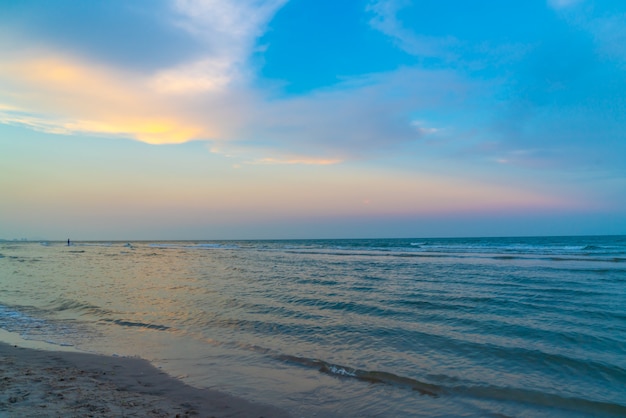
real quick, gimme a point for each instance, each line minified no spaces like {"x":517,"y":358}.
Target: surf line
{"x":366,"y":376}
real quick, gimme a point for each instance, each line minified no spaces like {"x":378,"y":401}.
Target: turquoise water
{"x":385,"y":328}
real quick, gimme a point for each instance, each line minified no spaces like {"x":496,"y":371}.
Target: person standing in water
{"x":68,"y":242}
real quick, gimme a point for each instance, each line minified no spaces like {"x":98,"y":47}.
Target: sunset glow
{"x":222,"y":119}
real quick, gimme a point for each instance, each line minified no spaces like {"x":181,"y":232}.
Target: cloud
{"x":548,"y":98}
{"x":235,"y":23}
{"x":212,"y":97}
{"x":385,"y":20}
{"x":192,"y":78}
{"x":607,"y":26}
{"x":610,"y":37}
{"x":564,"y":107}
{"x":58,"y":94}
{"x":49,"y":87}
{"x":229,"y":30}
{"x":561,"y":4}
{"x":361,"y":117}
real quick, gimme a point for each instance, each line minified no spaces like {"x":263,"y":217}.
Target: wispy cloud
{"x":608,"y":27}
{"x":361,"y":117}
{"x":385,"y":20}
{"x":561,"y":4}
{"x":610,"y":36}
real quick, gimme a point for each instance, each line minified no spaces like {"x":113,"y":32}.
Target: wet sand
{"x":43,"y":383}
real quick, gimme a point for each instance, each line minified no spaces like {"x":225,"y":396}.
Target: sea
{"x":465,"y":327}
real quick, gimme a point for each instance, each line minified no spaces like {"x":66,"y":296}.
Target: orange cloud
{"x":78,"y":97}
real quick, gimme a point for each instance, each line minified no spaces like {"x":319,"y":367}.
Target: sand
{"x":43,"y":383}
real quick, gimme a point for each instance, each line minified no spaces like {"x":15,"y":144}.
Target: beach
{"x":474,"y":327}
{"x":43,"y":383}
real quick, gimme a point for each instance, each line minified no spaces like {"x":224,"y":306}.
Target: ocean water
{"x":529,"y":327}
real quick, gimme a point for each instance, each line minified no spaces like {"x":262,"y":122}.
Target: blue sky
{"x":201,"y":119}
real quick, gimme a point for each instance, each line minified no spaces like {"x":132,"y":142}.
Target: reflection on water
{"x":365,"y":327}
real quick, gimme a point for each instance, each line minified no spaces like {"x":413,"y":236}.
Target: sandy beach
{"x":43,"y":383}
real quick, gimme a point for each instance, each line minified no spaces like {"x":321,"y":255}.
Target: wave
{"x":138,"y":324}
{"x":365,"y":375}
{"x":511,"y":394}
{"x":543,"y":399}
{"x":205,"y":246}
{"x":494,"y":254}
{"x":30,"y":325}
{"x":62,"y":304}
{"x":347,"y":306}
{"x":24,"y":259}
{"x":10,"y":315}
{"x":372,"y":252}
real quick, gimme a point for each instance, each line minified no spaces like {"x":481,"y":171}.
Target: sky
{"x":252,"y":119}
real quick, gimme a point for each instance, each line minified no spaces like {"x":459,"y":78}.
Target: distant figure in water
{"x":68,"y":242}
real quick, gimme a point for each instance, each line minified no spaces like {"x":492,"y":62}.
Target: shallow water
{"x":423,"y":327}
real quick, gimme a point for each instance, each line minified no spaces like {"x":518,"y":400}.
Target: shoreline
{"x":39,"y":382}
